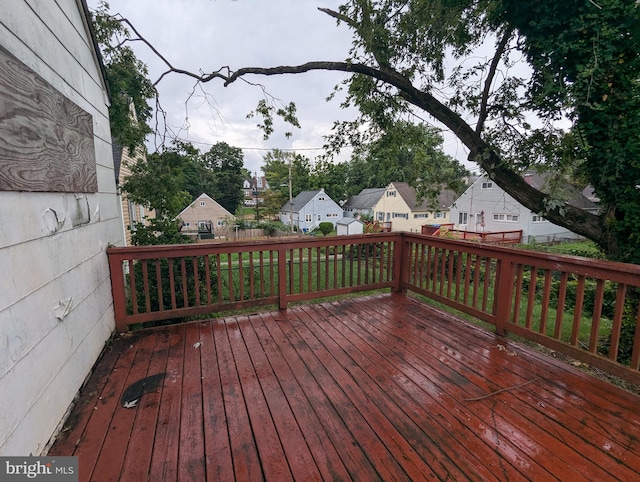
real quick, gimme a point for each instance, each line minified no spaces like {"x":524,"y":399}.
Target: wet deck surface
{"x":375,"y":388}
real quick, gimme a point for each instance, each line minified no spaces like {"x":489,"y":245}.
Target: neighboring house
{"x":485,"y":207}
{"x":399,"y":206}
{"x":132,"y":213}
{"x":349,"y":226}
{"x":59,"y":211}
{"x":203,"y":218}
{"x":310,"y":208}
{"x":363,"y":203}
{"x":253,"y":190}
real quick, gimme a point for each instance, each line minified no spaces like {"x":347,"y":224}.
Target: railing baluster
{"x":145,"y":286}
{"x":132,"y":285}
{"x":562,"y":296}
{"x":230,"y":273}
{"x":172,"y":284}
{"x":517,"y":302}
{"x":635,"y":353}
{"x":533,"y":279}
{"x":546,"y":293}
{"x":577,"y":311}
{"x":185,"y":288}
{"x":616,"y":328}
{"x":196,"y":280}
{"x":159,"y":285}
{"x":595,"y":319}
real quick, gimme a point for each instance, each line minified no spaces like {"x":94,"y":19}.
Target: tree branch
{"x":489,"y":80}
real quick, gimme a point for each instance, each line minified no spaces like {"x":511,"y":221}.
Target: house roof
{"x":573,"y":195}
{"x":367,"y":198}
{"x":301,"y":200}
{"x":203,"y":196}
{"x":444,"y":200}
{"x":347,"y":221}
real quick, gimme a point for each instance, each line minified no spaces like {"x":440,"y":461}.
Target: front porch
{"x":381,"y":387}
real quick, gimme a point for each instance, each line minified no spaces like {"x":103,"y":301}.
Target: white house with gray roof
{"x":310,"y":208}
{"x":363,"y":203}
{"x":485,"y":207}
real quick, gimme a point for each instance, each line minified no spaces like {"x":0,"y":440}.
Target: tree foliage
{"x":409,"y":153}
{"x":129,"y":85}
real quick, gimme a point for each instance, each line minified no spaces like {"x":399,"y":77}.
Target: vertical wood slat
{"x":309,"y":270}
{"x":240,"y":276}
{"x":577,"y":311}
{"x":219,"y":280}
{"x":616,"y":328}
{"x":185,"y":288}
{"x":232,"y":297}
{"x":145,"y":286}
{"x":546,"y":293}
{"x":430,"y":271}
{"x":318,"y":265}
{"x":326,"y":267}
{"x":262,"y":275}
{"x":597,"y":313}
{"x":635,"y":352}
{"x":367,"y":255}
{"x":562,"y":296}
{"x":533,"y":279}
{"x":487,"y":278}
{"x":252,"y":288}
{"x":344,"y":266}
{"x":159,"y":285}
{"x":282,"y":277}
{"x":476,"y":280}
{"x":271,"y":272}
{"x":467,"y":279}
{"x":518,"y":295}
{"x":207,"y":276}
{"x":196,"y":280}
{"x":290,"y":254}
{"x":132,"y":285}
{"x":443,"y":263}
{"x":450,"y":258}
{"x":172,"y":285}
{"x":458,"y":271}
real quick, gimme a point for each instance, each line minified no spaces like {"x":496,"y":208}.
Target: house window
{"x":220,"y":223}
{"x":307,"y":218}
{"x":391,"y":194}
{"x":439,"y":215}
{"x":421,"y":216}
{"x":509,"y":218}
{"x":321,"y":199}
{"x":201,"y":203}
{"x":463,"y":218}
{"x":380,"y":216}
{"x":401,"y":215}
{"x":538,"y":219}
{"x":487,"y":185}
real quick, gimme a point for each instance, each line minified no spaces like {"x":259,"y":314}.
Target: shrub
{"x":325,"y":227}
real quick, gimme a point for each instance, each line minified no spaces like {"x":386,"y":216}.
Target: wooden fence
{"x":585,"y":308}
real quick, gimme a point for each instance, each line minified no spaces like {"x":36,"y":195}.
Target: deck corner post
{"x":282,"y":277}
{"x":502,"y":294}
{"x":398,"y":263}
{"x":118,"y":291}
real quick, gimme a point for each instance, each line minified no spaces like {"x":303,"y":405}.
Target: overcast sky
{"x":208,"y":34}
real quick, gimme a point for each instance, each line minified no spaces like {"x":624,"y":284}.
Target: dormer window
{"x":487,"y":185}
{"x":202,"y":203}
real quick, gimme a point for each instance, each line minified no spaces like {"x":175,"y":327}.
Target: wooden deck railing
{"x":585,"y":308}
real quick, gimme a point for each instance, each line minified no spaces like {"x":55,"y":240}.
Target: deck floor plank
{"x":164,"y":460}
{"x":137,"y":461}
{"x":374,"y":388}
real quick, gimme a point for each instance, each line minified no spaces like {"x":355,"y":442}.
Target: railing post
{"x":282,"y":277}
{"x":398,"y":263}
{"x":503,"y":293}
{"x":118,"y":292}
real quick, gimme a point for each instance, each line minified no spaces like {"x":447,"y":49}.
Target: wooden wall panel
{"x":46,"y":140}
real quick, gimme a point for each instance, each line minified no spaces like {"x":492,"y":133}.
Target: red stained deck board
{"x":371,"y":388}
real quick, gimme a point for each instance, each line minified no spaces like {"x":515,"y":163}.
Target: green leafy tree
{"x":409,"y":153}
{"x":129,"y":85}
{"x":226,"y":163}
{"x":276,"y":170}
{"x":330,"y":176}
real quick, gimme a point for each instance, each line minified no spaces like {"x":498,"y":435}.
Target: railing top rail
{"x":169,"y":250}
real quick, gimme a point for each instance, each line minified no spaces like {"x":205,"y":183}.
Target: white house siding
{"x":494,"y":201}
{"x":56,"y":309}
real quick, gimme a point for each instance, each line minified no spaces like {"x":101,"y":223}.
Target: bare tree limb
{"x":489,"y":80}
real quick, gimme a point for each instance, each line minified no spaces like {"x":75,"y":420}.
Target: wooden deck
{"x":375,"y":388}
